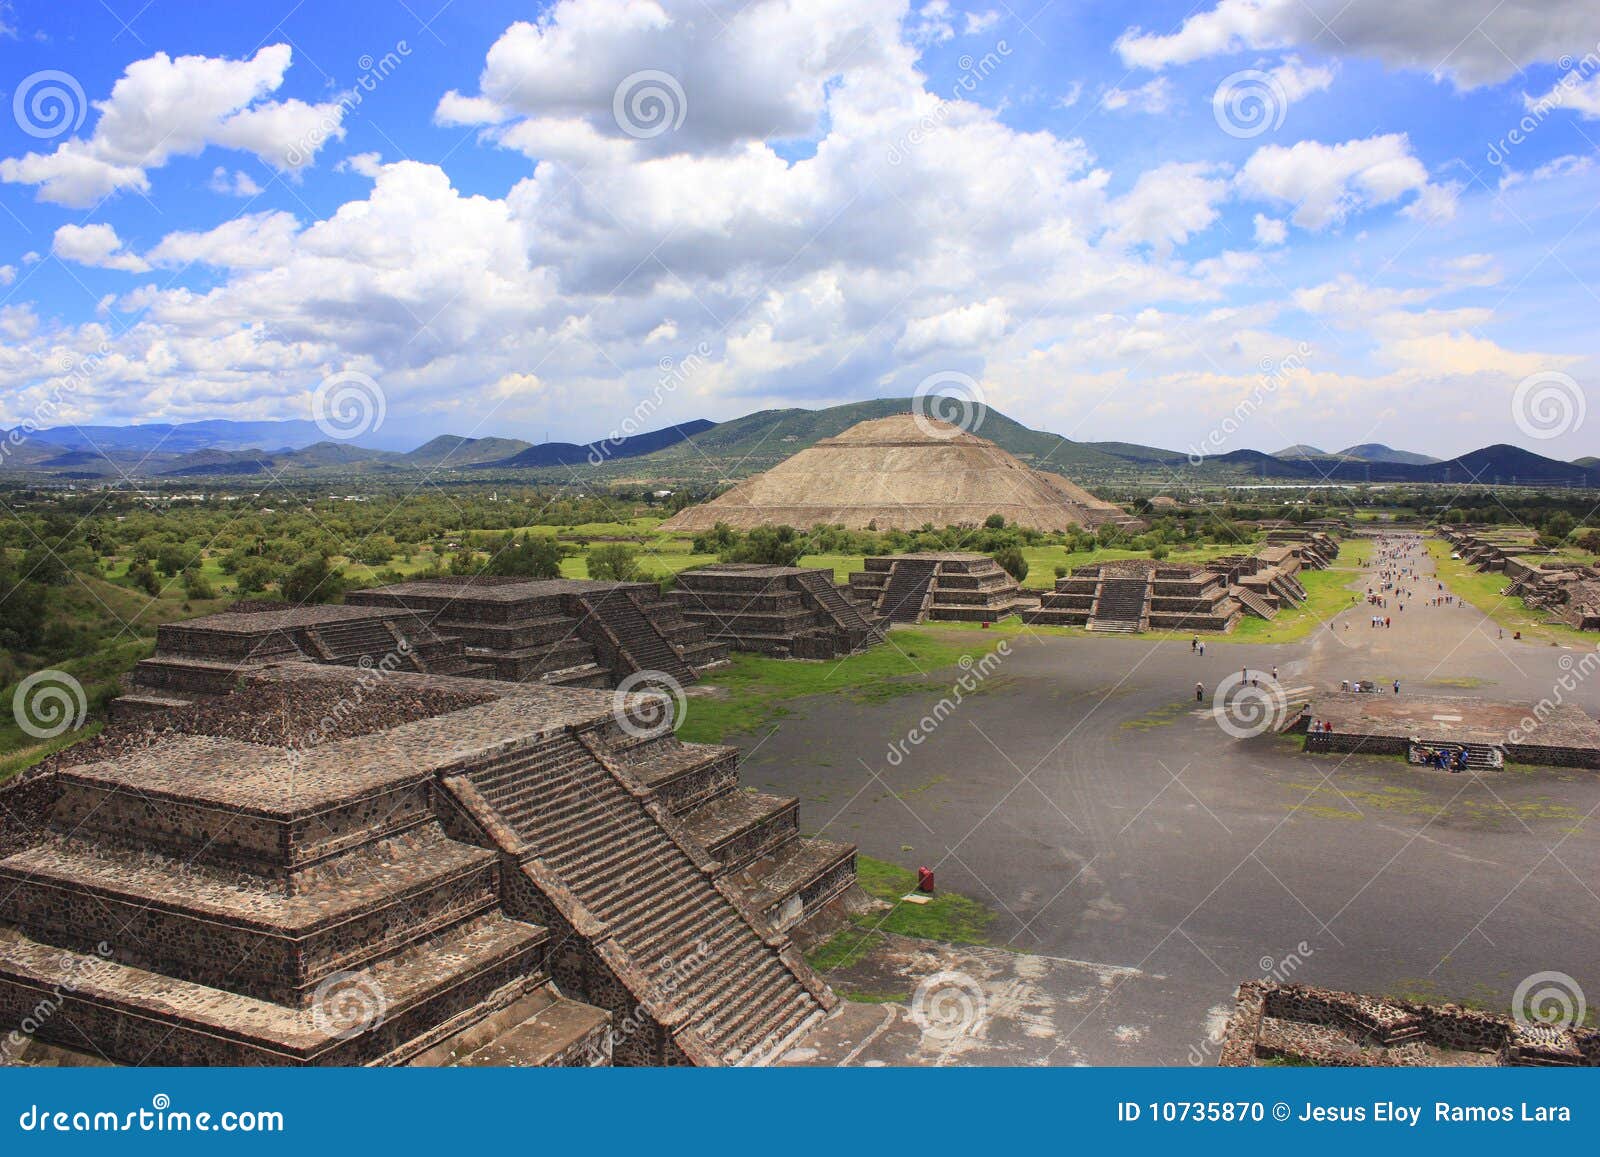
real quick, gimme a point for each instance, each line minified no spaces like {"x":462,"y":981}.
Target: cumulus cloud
{"x":1168,"y":205}
{"x":96,"y":245}
{"x":1474,"y":42}
{"x":1270,"y":230}
{"x":1325,"y":184}
{"x":163,"y":107}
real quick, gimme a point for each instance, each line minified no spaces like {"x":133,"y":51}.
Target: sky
{"x":1236,"y":224}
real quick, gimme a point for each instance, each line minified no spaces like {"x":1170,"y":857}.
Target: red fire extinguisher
{"x":925,"y":880}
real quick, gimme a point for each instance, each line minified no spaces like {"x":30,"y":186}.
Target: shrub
{"x":1012,"y":562}
{"x":531,"y":556}
{"x":615,"y":561}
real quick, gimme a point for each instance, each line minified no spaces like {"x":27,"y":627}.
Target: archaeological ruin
{"x":1568,"y":591}
{"x":1487,"y":732}
{"x":901,"y":473}
{"x":787,"y":612}
{"x":330,"y":865}
{"x":952,"y":586}
{"x":1298,"y":1024}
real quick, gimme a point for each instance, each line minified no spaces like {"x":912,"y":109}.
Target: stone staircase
{"x":906,"y":593}
{"x":1484,"y":755}
{"x":643,"y":646}
{"x":845,"y":614}
{"x":1253,"y":603}
{"x":726,"y":989}
{"x":1119,"y":607}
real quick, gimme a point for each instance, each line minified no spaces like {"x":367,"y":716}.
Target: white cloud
{"x":1168,"y":205}
{"x":1325,"y":184}
{"x":238,"y":184}
{"x":96,"y":245}
{"x":1154,"y":96}
{"x":1270,"y":230}
{"x":1574,"y":91}
{"x":968,"y":327}
{"x":1474,"y":42}
{"x":163,"y":107}
{"x":980,"y":22}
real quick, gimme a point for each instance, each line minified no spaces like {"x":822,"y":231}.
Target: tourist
{"x":1274,"y":672}
{"x":1202,"y":650}
{"x":1397,"y":686}
{"x":1194,"y":643}
{"x":1199,"y":692}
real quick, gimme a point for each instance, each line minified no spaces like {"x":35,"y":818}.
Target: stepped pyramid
{"x":898,"y":473}
{"x":476,"y":872}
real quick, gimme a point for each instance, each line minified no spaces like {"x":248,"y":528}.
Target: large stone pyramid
{"x":898,"y":473}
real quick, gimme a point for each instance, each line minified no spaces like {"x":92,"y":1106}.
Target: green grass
{"x":18,"y":760}
{"x":949,"y":917}
{"x":753,"y":691}
{"x":1483,"y":589}
{"x":1326,"y":596}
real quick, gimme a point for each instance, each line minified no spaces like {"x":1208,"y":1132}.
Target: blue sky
{"x":1246,"y":223}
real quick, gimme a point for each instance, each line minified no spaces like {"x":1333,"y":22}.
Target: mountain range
{"x":714,"y":451}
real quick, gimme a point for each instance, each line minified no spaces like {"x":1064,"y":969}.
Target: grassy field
{"x":753,"y":691}
{"x":1483,"y":589}
{"x":949,"y":917}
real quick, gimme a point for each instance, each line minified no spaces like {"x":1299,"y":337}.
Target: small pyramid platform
{"x":900,"y":473}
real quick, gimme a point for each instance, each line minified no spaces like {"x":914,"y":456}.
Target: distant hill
{"x":1378,"y":452}
{"x":186,"y":437}
{"x":1591,"y":461}
{"x":759,"y":441}
{"x":571,"y":454}
{"x":451,"y":450}
{"x":1301,"y":450}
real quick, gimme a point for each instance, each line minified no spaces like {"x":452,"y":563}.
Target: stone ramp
{"x":723,"y":985}
{"x":1253,"y":603}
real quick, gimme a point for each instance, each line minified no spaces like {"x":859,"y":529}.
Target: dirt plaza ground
{"x":1144,"y":861}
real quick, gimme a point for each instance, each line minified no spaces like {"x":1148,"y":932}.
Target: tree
{"x":253,"y":575}
{"x":312,"y":580}
{"x":770,"y":545}
{"x":143,"y":576}
{"x":531,"y":556}
{"x":615,"y":561}
{"x":195,"y":585}
{"x":1012,"y":562}
{"x":995,"y":522}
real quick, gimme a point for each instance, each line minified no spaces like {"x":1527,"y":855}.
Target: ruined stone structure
{"x":465,"y":872}
{"x":1547,"y":735}
{"x":901,"y":473}
{"x":1301,"y":1024}
{"x":1133,"y":595}
{"x":565,"y":632}
{"x":954,"y":586}
{"x":202,"y":657}
{"x":1569,"y":592}
{"x":788,"y":612}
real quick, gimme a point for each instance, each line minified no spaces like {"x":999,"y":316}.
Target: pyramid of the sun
{"x":898,"y":473}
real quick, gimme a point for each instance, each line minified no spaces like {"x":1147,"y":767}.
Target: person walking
{"x":1274,"y":672}
{"x":1199,"y":692}
{"x":1194,"y":643}
{"x":1397,"y":686}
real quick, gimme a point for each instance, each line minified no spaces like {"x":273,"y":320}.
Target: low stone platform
{"x":784,"y":611}
{"x":566,"y":632}
{"x":952,"y":586}
{"x":1381,"y":722}
{"x":1135,"y":595}
{"x":202,"y":657}
{"x":1299,"y":1024}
